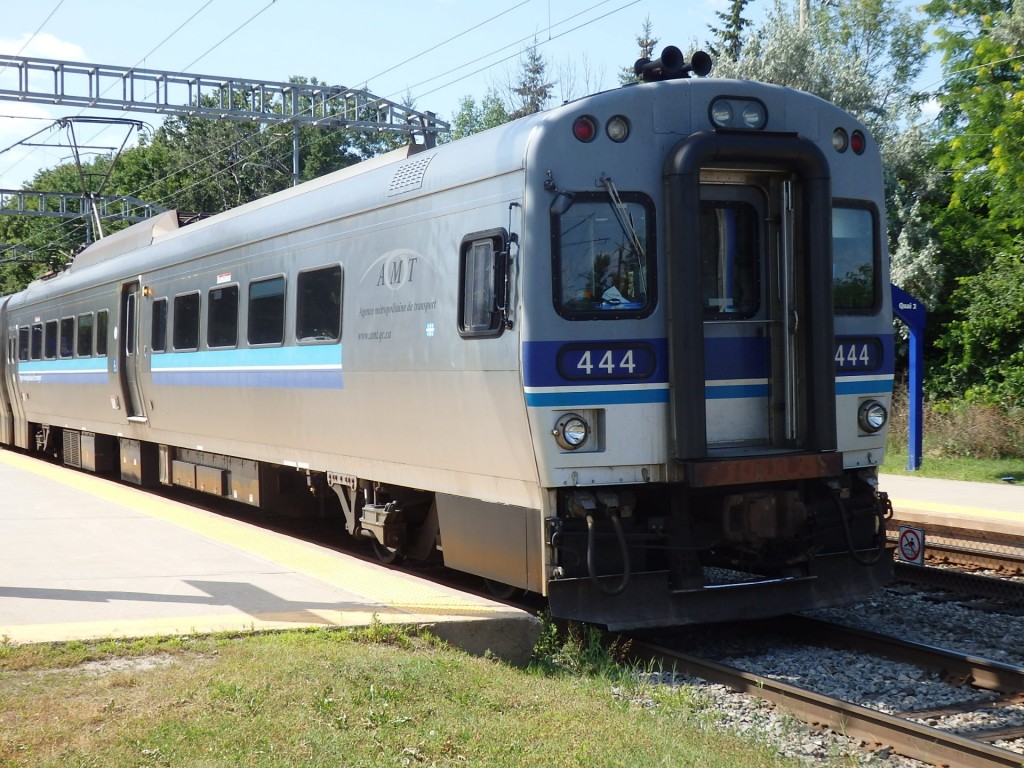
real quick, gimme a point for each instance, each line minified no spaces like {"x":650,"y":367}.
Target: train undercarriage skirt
{"x":649,"y":601}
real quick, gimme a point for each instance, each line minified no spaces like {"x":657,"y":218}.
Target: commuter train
{"x":633,"y":353}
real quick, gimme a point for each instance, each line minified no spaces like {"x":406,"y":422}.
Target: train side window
{"x":37,"y":341}
{"x":482,"y":284}
{"x":855,"y":258}
{"x":604,"y":256}
{"x":186,"y":321}
{"x":318,"y":304}
{"x":23,"y":342}
{"x":158,"y":342}
{"x":266,"y":311}
{"x":101,"y":333}
{"x":85,"y":328}
{"x":50,"y":340}
{"x":67,"y":336}
{"x":222,"y":317}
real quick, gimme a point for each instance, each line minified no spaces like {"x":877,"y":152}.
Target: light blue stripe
{"x":736,"y":391}
{"x":874,"y":387}
{"x":65,"y":365}
{"x":319,"y":355}
{"x":576,"y":398}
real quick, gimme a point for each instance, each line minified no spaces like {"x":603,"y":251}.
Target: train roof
{"x":391,"y":177}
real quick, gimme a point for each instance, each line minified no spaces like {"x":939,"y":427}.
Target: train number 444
{"x":608,"y":364}
{"x":860,"y":354}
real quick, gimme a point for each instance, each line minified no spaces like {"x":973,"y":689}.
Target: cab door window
{"x":482,"y":270}
{"x":729,"y":258}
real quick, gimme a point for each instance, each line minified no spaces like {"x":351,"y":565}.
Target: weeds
{"x":962,"y":429}
{"x":577,"y":650}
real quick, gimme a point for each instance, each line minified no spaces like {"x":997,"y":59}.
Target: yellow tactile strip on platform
{"x":401,"y":593}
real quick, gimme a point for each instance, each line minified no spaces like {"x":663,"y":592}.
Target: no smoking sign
{"x":911,"y":545}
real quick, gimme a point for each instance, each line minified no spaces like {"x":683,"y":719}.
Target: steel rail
{"x":1000,"y":546}
{"x":962,"y":668}
{"x":914,"y":740}
{"x":991,"y":587}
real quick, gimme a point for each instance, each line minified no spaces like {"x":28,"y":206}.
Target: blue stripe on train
{"x":301,"y":367}
{"x":724,"y":358}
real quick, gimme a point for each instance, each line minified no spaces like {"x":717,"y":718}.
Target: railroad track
{"x":902,"y":733}
{"x":1000,"y":550}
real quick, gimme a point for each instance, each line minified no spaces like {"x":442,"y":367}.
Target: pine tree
{"x":729,"y":37}
{"x":646,"y":43}
{"x":532,"y":91}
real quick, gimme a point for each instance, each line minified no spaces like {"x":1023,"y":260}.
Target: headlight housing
{"x":738,"y":113}
{"x":571,"y":431}
{"x":872,"y":416}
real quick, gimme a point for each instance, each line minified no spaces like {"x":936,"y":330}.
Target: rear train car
{"x":633,"y":353}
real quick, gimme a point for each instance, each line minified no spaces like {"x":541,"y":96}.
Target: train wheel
{"x":503,"y":591}
{"x":386,"y":555}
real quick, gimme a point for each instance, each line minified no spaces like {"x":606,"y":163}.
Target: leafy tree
{"x":862,"y":55}
{"x":982,"y":226}
{"x":472,"y":118}
{"x":193,"y":164}
{"x":986,"y":339}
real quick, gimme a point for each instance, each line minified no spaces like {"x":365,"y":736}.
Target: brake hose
{"x":621,"y":537}
{"x":882,"y":506}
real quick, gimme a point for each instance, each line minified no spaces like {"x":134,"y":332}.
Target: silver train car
{"x":633,"y":353}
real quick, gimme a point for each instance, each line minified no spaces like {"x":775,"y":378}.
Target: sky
{"x":436,"y":51}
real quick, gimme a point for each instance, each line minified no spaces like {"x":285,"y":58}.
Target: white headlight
{"x":872,"y":416}
{"x":617,"y":128}
{"x":753,"y":115}
{"x":721,"y":113}
{"x":571,"y":431}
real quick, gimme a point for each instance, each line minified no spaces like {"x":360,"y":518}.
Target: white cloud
{"x":20,"y":120}
{"x":41,"y":46}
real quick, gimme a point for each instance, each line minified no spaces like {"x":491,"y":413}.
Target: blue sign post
{"x":912,"y":312}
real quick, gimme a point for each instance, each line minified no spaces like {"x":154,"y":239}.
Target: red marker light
{"x":858,"y":143}
{"x":585,"y":128}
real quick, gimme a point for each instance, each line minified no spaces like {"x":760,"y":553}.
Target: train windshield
{"x":603,"y":257}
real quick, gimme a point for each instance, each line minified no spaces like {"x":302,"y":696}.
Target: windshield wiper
{"x":626,"y":225}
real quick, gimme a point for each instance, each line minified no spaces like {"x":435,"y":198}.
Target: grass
{"x":381,"y":697}
{"x":955,"y":468}
{"x":962,"y":441}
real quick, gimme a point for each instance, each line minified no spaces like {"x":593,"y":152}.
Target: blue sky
{"x":436,"y":50}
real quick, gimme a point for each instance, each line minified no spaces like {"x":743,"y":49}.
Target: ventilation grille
{"x":409,"y":177}
{"x":72,"y":448}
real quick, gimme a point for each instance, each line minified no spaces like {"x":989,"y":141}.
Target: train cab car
{"x":633,"y":353}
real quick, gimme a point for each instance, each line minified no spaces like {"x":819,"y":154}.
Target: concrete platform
{"x":86,"y":558}
{"x":994,"y":507}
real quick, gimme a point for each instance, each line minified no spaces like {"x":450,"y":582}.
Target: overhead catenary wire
{"x":65,"y":234}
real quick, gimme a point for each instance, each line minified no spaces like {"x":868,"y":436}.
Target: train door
{"x":749,"y":268}
{"x":128,"y":358}
{"x":7,"y":366}
{"x":750,"y":311}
